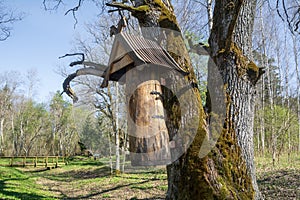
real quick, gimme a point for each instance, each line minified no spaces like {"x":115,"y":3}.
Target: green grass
{"x":265,"y":163}
{"x":15,"y":184}
{"x":82,"y":178}
{"x":280,"y":181}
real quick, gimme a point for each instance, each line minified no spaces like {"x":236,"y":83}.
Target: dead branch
{"x":67,"y":89}
{"x":75,"y":62}
{"x":94,"y":69}
{"x":80,"y":72}
{"x":97,"y":66}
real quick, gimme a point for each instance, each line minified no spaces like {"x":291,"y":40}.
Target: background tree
{"x":63,"y":131}
{"x":10,"y":82}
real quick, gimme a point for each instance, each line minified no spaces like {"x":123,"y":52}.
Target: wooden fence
{"x":35,"y":161}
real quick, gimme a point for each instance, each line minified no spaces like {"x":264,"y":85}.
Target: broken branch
{"x":85,"y":71}
{"x":75,"y":62}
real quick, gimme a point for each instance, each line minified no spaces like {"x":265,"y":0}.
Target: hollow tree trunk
{"x":223,"y":173}
{"x":148,"y":135}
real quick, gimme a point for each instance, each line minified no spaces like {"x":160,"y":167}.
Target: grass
{"x":82,"y":178}
{"x":85,"y":178}
{"x":15,"y":184}
{"x":281,"y":181}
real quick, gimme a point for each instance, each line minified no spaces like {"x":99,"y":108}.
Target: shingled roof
{"x":129,"y":51}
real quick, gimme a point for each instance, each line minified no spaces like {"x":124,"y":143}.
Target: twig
{"x":54,"y":7}
{"x":74,"y":10}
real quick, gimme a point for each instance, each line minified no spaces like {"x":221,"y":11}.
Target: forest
{"x":99,"y":118}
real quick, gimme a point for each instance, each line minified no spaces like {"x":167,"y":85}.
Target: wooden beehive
{"x":148,"y":134}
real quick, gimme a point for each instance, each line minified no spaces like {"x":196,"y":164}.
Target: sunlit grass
{"x":265,"y":163}
{"x":15,"y":184}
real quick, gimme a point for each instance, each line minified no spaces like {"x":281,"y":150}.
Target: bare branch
{"x":94,"y":69}
{"x":291,"y":15}
{"x":55,"y":7}
{"x":122,"y":7}
{"x":74,"y":10}
{"x":75,"y":62}
{"x":7,"y":18}
{"x":84,"y":71}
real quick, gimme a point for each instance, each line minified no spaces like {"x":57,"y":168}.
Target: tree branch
{"x":85,"y":71}
{"x":75,"y":62}
{"x":54,"y":7}
{"x":7,"y":17}
{"x":132,"y":9}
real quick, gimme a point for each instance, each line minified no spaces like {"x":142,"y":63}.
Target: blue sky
{"x":39,"y":39}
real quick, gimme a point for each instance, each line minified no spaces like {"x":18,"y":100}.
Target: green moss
{"x":244,"y":65}
{"x":143,"y":8}
{"x":167,"y":18}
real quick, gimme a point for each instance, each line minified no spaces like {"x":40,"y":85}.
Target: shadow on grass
{"x":280,"y":184}
{"x":89,"y":196}
{"x":7,"y":192}
{"x":152,"y":198}
{"x":85,"y":163}
{"x":73,"y":175}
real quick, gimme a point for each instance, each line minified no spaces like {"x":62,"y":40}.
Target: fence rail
{"x":35,"y":161}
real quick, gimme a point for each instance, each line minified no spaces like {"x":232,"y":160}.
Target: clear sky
{"x":39,"y":39}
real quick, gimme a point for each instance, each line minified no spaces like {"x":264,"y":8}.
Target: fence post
{"x":56,"y":162}
{"x":35,"y":161}
{"x":24,"y":161}
{"x":46,"y":161}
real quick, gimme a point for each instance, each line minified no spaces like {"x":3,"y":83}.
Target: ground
{"x":84,"y":178}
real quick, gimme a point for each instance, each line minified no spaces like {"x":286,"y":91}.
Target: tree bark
{"x":1,"y":135}
{"x":244,"y":120}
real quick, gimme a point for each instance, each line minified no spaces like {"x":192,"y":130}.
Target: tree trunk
{"x":209,"y":14}
{"x":244,"y":100}
{"x":227,"y":172}
{"x":1,"y":135}
{"x":298,"y":87}
{"x":117,"y":134}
